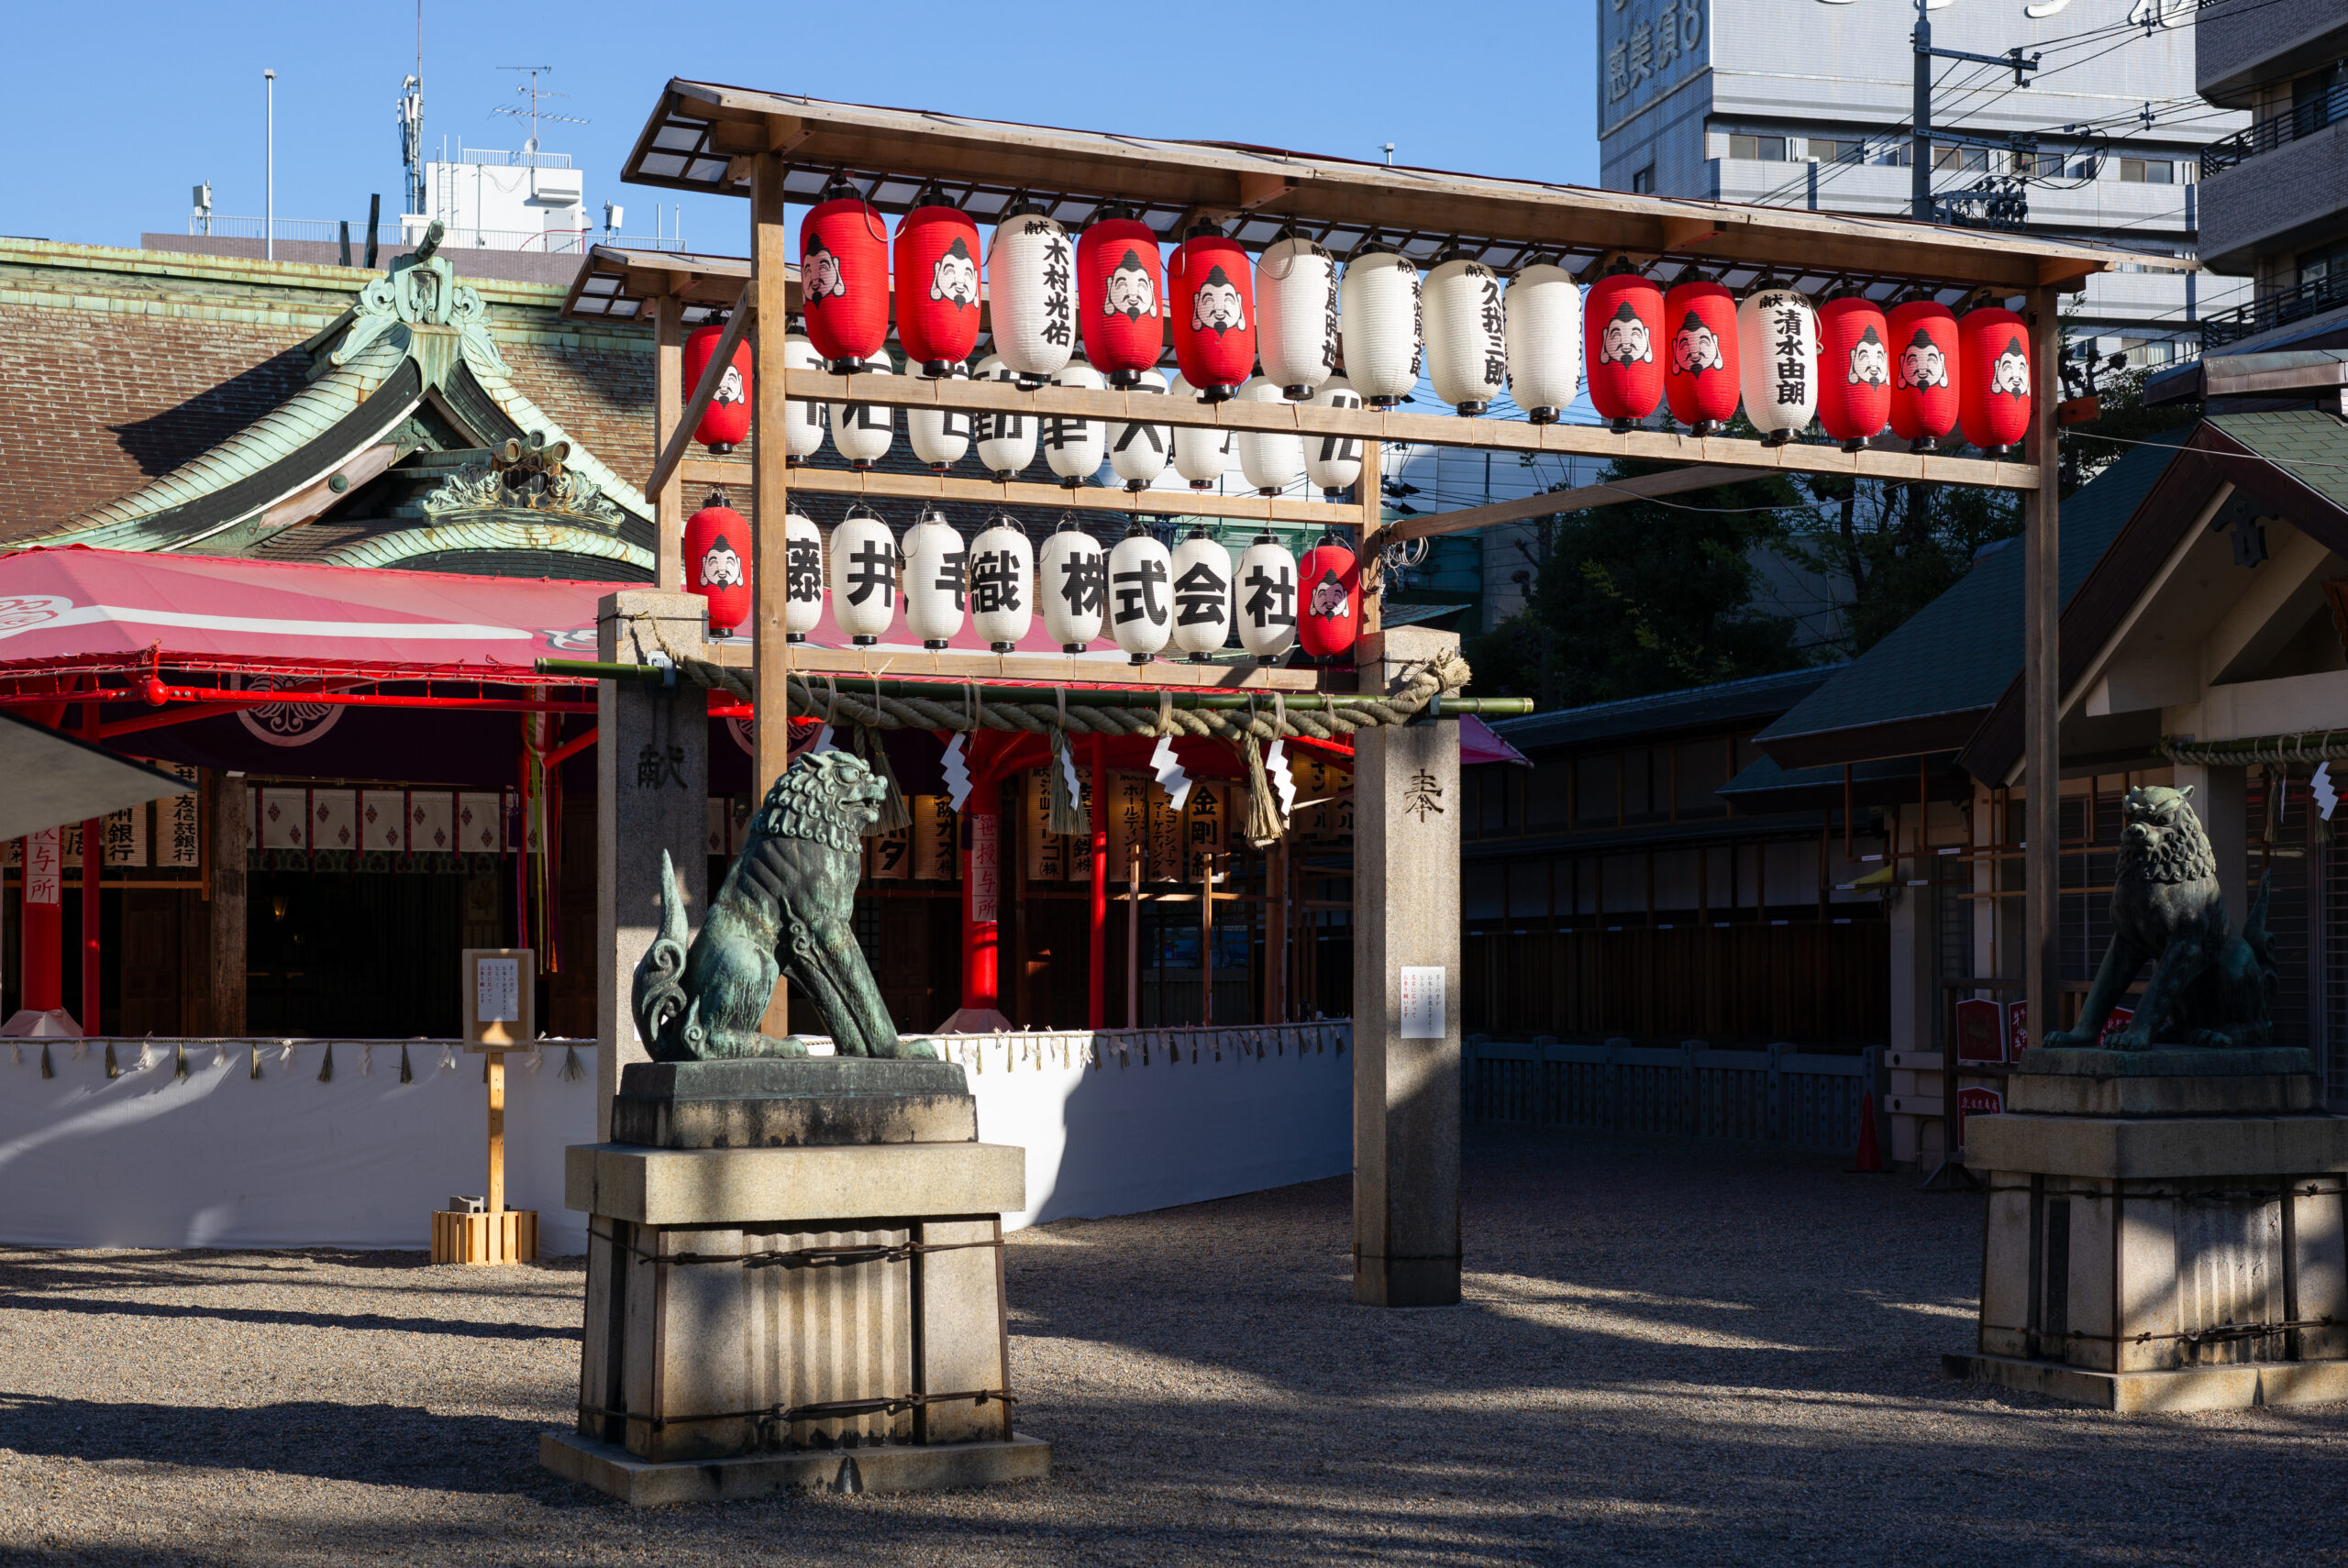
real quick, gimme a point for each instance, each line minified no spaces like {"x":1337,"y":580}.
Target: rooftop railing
{"x":2302,"y":120}
{"x":2280,"y":309}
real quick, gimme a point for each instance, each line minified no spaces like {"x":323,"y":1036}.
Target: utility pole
{"x":1920,"y":155}
{"x":269,"y":172}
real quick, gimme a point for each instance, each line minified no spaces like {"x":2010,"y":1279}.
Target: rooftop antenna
{"x":411,"y":117}
{"x":534,"y":113}
{"x":1389,"y":155}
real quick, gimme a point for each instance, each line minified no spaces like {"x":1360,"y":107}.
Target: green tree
{"x":1893,"y":548}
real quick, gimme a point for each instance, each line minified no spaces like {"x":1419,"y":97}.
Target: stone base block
{"x":2185,"y":1388}
{"x":2074,"y":1081}
{"x":934,"y":1467}
{"x":793,"y":1102}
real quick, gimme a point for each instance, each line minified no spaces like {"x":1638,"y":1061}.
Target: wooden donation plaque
{"x":500,"y":996}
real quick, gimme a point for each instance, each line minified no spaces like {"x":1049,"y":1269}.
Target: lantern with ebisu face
{"x":936,"y":564}
{"x":1467,"y":332}
{"x":862,"y":431}
{"x":1121,"y":290}
{"x":718,"y":563}
{"x":1329,"y":577}
{"x":1379,"y":321}
{"x":1699,"y":375}
{"x":1924,"y":371}
{"x":1213,"y":300}
{"x":1031,"y":290}
{"x":725,"y":424}
{"x":1073,"y":580}
{"x":939,"y":435}
{"x":1544,"y":328}
{"x":1201,"y":595}
{"x":863,"y":576}
{"x":1620,"y":323}
{"x":1853,"y":369}
{"x":1137,"y":452}
{"x":802,"y":577}
{"x":1141,"y":606}
{"x":1296,"y":314}
{"x":938,"y":285}
{"x":1776,"y":348}
{"x":1993,"y":394}
{"x":844,"y":278}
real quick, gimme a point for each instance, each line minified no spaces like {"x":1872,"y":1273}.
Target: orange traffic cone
{"x":1869,"y":1160}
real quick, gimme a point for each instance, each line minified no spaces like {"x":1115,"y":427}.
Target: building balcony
{"x":2240,"y":45}
{"x":2288,"y":197}
{"x":2286,"y":307}
{"x":2298,"y":123}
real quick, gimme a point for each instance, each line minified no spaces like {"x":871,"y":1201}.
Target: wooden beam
{"x":2043,"y":684}
{"x":995,"y":492}
{"x":1256,"y":190}
{"x":715,"y":372}
{"x":1670,"y":482}
{"x":1419,"y":429}
{"x":1685,"y":233}
{"x":667,"y":409}
{"x":764,"y":300}
{"x":1043,"y":669}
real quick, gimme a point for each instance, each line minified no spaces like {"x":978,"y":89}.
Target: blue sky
{"x":114,"y":113}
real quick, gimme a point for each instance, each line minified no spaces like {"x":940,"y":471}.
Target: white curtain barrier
{"x":181,"y":1146}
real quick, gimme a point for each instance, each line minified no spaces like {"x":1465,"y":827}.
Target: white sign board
{"x":497,"y":990}
{"x":1422,"y":1001}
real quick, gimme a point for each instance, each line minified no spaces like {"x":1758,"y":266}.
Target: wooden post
{"x":1206,"y":937}
{"x":497,"y":1132}
{"x":1096,"y":979}
{"x":226,"y":825}
{"x":1133,"y":932}
{"x":1370,"y":498}
{"x":770,"y":748}
{"x":667,"y":403}
{"x":2043,"y":681}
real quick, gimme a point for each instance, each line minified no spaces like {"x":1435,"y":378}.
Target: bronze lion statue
{"x":784,"y":909}
{"x":2209,"y":987}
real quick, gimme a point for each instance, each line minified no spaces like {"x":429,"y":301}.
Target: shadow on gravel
{"x":383,"y":1445}
{"x":461,"y":1329}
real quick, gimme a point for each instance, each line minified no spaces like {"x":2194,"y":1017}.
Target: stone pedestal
{"x":794,"y":1281}
{"x":2164,"y":1232}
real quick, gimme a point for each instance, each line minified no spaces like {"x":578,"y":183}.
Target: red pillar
{"x":1096,"y":993}
{"x":44,"y":879}
{"x":94,"y":856}
{"x":981,"y":885}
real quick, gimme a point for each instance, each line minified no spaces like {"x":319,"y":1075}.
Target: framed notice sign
{"x":1422,"y":1001}
{"x":500,"y":996}
{"x":1980,"y":1030}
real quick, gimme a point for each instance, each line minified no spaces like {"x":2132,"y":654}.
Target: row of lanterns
{"x":1090,"y":312}
{"x":1145,"y":596}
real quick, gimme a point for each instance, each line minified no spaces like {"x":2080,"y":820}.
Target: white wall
{"x":220,"y":1159}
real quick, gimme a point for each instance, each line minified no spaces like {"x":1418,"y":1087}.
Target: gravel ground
{"x":1669,"y":1352}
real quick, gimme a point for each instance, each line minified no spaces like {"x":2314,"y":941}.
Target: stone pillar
{"x":1406,"y":998}
{"x":651,"y":793}
{"x":230,"y":807}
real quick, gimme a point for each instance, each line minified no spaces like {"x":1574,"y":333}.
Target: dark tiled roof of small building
{"x":1722,"y":706}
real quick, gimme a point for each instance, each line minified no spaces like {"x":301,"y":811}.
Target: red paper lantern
{"x":725,"y":424}
{"x":1328,"y":584}
{"x":1121,"y":290}
{"x":844,"y":279}
{"x":1853,"y":369}
{"x":1924,"y":374}
{"x":717,"y":562}
{"x":937,"y":268}
{"x":1699,"y":364}
{"x":1993,"y":347}
{"x":1620,"y":323}
{"x":1214,"y":303}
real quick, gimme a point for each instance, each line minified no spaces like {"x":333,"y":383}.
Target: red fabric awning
{"x":122,"y":610}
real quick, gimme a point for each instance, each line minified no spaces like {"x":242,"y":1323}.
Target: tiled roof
{"x":1730,"y":703}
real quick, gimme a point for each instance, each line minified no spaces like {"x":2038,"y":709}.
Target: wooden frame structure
{"x":777,"y":149}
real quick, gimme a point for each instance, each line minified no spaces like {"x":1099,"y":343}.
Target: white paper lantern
{"x":1137,"y":452}
{"x":1031,"y":294}
{"x":1296,"y":314}
{"x":1380,"y":325}
{"x":1544,"y":331}
{"x":1006,"y":442}
{"x":1074,"y":446}
{"x":1141,"y":605}
{"x":802,"y":422}
{"x":1202,"y":455}
{"x":1270,"y":460}
{"x":1334,"y":462}
{"x":1073,"y":580}
{"x":940,"y":436}
{"x":803,"y":576}
{"x":861,"y":431}
{"x":1263,"y":591}
{"x":864,"y":578}
{"x":936,"y":563}
{"x":1201,"y":594}
{"x":1777,"y":348}
{"x":1467,"y":336}
{"x":1003,"y":597}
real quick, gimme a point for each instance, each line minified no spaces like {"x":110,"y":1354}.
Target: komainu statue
{"x":784,"y":909}
{"x":2210,"y":988}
